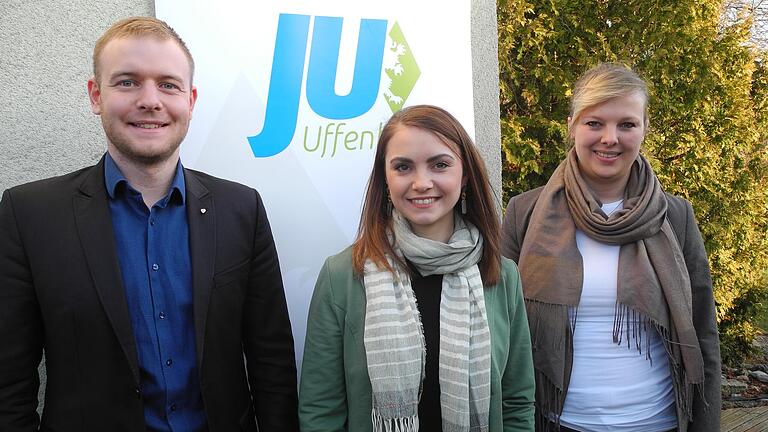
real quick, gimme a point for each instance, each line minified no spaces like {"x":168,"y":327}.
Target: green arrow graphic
{"x":401,"y":69}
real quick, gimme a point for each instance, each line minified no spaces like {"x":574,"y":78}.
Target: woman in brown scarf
{"x":615,"y":278}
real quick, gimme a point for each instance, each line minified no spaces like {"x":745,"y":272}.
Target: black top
{"x":427,"y":291}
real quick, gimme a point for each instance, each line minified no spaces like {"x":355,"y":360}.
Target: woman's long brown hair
{"x":372,"y":241}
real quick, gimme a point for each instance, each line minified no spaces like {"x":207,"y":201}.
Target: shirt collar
{"x":113,"y":177}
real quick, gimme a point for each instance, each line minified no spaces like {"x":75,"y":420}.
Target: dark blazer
{"x":61,"y":291}
{"x":706,"y":411}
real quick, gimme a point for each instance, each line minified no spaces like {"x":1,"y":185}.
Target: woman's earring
{"x":389,"y":203}
{"x":463,"y":201}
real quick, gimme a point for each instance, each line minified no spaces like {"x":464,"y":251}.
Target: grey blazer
{"x":706,"y":416}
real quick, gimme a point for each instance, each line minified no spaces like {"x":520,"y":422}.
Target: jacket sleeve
{"x":510,"y":244}
{"x":21,"y":329}
{"x":706,"y":409}
{"x":517,"y":383}
{"x":322,"y":396}
{"x":267,"y":336}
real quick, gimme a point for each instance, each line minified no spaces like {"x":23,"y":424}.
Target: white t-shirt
{"x":612,"y":387}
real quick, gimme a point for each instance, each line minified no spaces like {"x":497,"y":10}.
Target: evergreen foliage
{"x":709,"y":120}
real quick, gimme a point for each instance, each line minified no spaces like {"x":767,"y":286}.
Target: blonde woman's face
{"x":607,"y":139}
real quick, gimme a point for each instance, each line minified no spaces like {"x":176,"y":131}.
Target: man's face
{"x":145,"y":98}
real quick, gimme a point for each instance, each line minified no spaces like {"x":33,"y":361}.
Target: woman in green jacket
{"x":420,"y":324}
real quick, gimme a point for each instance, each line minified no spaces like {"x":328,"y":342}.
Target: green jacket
{"x":335,"y":390}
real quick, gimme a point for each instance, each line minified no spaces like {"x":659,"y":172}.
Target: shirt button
{"x":138,"y":392}
{"x":173,"y":407}
{"x":151,"y":221}
{"x":169,"y":362}
{"x":162,"y":315}
{"x":155,"y":267}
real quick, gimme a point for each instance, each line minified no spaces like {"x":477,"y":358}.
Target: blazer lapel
{"x":201,"y":216}
{"x":94,"y":226}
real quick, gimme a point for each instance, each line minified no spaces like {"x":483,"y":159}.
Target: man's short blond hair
{"x":139,"y":27}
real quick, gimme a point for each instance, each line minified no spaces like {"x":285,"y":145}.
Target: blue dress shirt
{"x":153,"y":251}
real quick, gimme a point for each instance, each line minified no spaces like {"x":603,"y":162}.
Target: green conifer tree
{"x":708,"y":110}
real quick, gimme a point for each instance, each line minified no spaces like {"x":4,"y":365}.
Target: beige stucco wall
{"x":485,"y":72}
{"x":46,"y":126}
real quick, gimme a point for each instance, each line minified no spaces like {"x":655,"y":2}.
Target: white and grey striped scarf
{"x":394,"y":338}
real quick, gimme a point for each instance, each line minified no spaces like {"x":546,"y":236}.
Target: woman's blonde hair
{"x":602,"y":83}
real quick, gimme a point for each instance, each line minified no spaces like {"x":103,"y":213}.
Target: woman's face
{"x":424,"y":177}
{"x":607,"y":140}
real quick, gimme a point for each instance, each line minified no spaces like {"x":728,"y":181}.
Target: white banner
{"x":293,"y":95}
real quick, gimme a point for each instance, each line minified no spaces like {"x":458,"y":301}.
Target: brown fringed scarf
{"x":653,"y":284}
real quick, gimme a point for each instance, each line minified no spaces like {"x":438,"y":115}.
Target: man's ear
{"x":94,"y":94}
{"x":192,"y":100}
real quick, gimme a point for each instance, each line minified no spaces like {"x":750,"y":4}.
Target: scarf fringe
{"x":634,"y":325}
{"x":628,"y":324}
{"x":542,"y":329}
{"x":549,"y":396}
{"x":631,"y":323}
{"x":549,"y":404}
{"x":402,"y":424}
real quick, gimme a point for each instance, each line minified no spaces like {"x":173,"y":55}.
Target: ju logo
{"x":376,"y":51}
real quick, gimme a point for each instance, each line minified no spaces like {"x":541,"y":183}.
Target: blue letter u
{"x":284,"y":87}
{"x":323,"y":62}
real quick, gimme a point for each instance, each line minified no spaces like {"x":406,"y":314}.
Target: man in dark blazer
{"x":154,"y":290}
